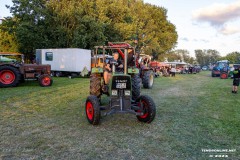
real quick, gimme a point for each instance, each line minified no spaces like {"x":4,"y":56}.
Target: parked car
{"x":197,"y":68}
{"x":204,"y":68}
{"x":183,"y":70}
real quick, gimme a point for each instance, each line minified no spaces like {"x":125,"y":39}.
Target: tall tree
{"x":233,"y":57}
{"x":74,"y":24}
{"x":154,"y":31}
{"x":86,"y":23}
{"x":170,"y":56}
{"x":185,"y":55}
{"x":28,"y":24}
{"x":7,"y":42}
{"x":130,"y":20}
{"x":205,"y":57}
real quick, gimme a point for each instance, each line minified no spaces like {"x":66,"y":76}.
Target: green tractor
{"x":123,"y":89}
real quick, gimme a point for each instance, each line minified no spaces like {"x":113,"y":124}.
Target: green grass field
{"x":194,"y":112}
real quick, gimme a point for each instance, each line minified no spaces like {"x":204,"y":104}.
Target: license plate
{"x":121,"y":85}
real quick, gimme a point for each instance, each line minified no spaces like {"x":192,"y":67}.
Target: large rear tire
{"x":136,"y":87}
{"x":148,"y":79}
{"x":92,"y":109}
{"x":95,"y":85}
{"x":9,"y":76}
{"x":148,"y":108}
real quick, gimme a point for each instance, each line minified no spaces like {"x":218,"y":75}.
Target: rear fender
{"x":97,"y":70}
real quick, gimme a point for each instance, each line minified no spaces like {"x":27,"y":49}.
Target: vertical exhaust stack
{"x":125,"y":61}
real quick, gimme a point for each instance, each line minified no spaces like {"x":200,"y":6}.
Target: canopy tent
{"x":158,"y":64}
{"x":177,"y":64}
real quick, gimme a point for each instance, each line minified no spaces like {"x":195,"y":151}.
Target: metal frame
{"x":120,"y":103}
{"x":124,"y":47}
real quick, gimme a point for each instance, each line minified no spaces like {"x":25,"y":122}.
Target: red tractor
{"x":13,"y":71}
{"x":146,"y":72}
{"x":156,"y":67}
{"x":142,"y":62}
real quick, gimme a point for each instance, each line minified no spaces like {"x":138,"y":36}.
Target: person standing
{"x":173,"y":71}
{"x":236,"y":77}
{"x":168,"y":71}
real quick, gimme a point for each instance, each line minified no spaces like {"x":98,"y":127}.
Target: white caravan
{"x":66,"y":61}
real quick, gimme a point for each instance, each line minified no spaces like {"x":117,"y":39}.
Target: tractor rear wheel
{"x":45,"y":80}
{"x":148,"y":108}
{"x":95,"y":85}
{"x":136,"y":87}
{"x":148,"y":79}
{"x":9,"y":76}
{"x":92,"y":109}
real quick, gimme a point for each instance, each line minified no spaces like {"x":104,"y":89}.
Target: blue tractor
{"x":221,"y":68}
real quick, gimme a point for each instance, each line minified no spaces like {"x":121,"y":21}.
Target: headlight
{"x":114,"y":92}
{"x":127,"y":93}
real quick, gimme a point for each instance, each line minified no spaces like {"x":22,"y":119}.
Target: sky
{"x":204,"y":24}
{"x":200,"y":24}
{"x":4,"y":12}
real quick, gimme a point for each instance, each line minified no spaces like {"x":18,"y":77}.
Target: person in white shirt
{"x":173,"y":71}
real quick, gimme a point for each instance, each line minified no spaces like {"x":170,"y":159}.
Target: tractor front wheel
{"x":92,"y":109}
{"x":45,"y":80}
{"x":147,"y":107}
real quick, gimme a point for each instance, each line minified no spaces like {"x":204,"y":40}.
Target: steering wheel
{"x":120,"y":70}
{"x":113,"y":62}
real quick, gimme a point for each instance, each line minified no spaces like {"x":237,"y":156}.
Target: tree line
{"x":40,"y":24}
{"x":37,"y":24}
{"x":202,"y":57}
{"x":207,"y":57}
